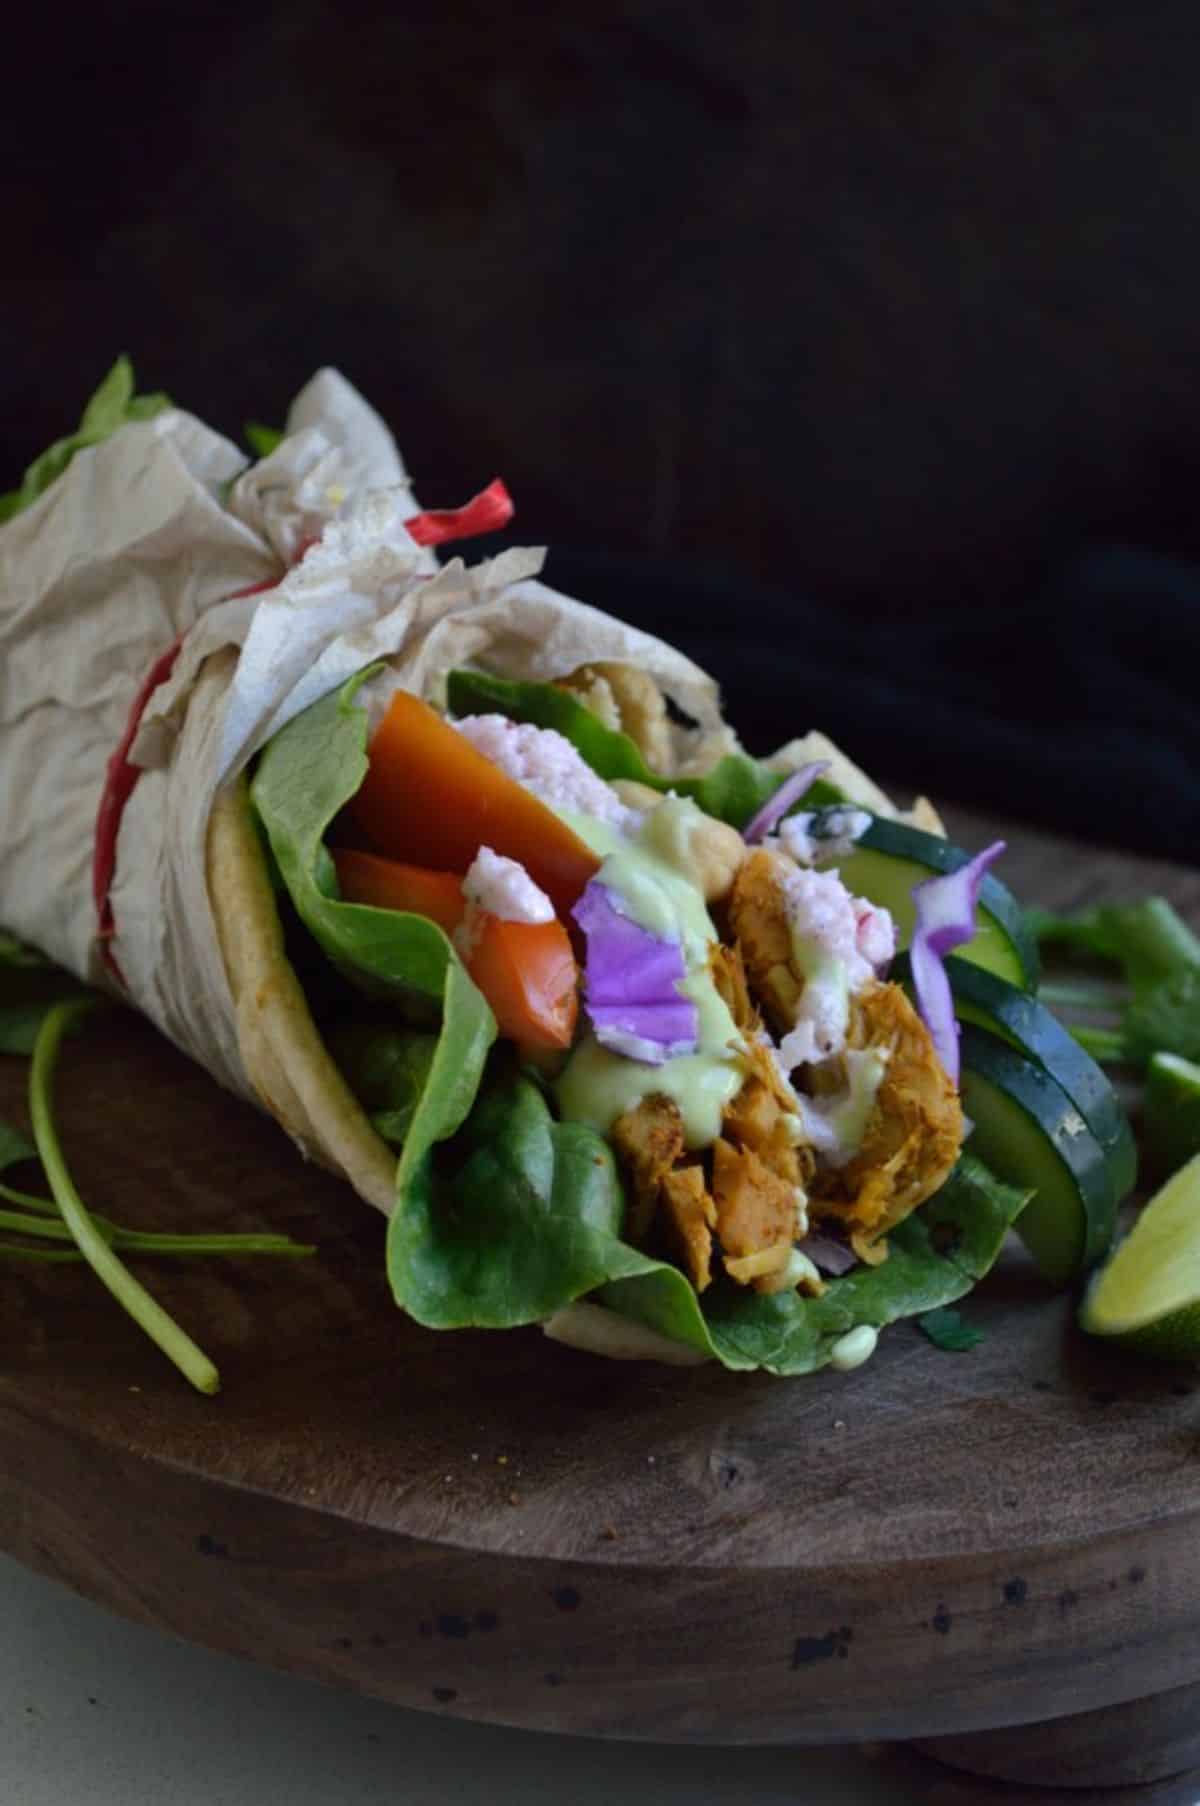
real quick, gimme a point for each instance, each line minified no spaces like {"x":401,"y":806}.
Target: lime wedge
{"x":1147,"y":1296}
{"x":1171,"y":1111}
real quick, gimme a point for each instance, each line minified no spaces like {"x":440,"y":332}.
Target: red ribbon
{"x":486,"y":512}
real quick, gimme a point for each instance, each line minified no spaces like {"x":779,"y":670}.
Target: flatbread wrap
{"x":471,"y":887}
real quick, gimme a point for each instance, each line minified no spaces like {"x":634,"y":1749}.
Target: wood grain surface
{"x":499,"y":1527}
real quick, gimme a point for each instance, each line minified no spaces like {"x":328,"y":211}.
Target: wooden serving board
{"x":492,"y":1525}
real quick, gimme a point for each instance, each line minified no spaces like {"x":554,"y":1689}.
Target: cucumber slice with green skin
{"x":1016,"y":1017}
{"x":889,"y":858}
{"x":1030,"y":1132}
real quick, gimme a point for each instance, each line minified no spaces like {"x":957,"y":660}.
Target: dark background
{"x":829,"y":340}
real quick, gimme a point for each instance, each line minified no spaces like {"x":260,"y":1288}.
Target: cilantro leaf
{"x":1149,"y":939}
{"x":1165,"y":1018}
{"x":1159,"y":956}
{"x":946,"y":1329}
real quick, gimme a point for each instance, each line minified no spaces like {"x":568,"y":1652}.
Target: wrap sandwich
{"x":472,"y":888}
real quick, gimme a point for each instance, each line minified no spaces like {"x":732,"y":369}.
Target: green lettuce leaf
{"x":935,"y":1256}
{"x":947,"y":1329}
{"x":114,"y":403}
{"x":734,"y":790}
{"x":515,"y":1217}
{"x":387,"y":1068}
{"x":306,"y":775}
{"x":518,"y":1214}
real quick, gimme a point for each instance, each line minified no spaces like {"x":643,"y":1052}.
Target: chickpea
{"x":635,"y":795}
{"x":717,"y":850}
{"x":707,"y":851}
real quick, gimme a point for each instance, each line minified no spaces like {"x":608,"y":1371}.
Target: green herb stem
{"x":42,"y":1207}
{"x":162,"y":1329}
{"x":135,"y":1241}
{"x":17,"y":1222}
{"x":56,"y":1255}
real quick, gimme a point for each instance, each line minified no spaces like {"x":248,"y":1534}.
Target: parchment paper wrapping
{"x":132,"y":546}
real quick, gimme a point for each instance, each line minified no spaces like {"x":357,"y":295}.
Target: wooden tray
{"x":491,"y":1525}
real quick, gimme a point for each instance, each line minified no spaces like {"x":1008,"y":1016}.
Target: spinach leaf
{"x":518,"y":1214}
{"x":513,"y":1218}
{"x":947,"y":1330}
{"x":306,"y":775}
{"x":734,"y":790}
{"x":113,"y":403}
{"x":29,"y":987}
{"x":387,"y":1068}
{"x":935,"y":1256}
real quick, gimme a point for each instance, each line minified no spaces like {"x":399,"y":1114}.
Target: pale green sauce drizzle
{"x":800,"y":1268}
{"x":651,"y":875}
{"x":826,"y":994}
{"x":852,"y":1349}
{"x":852,"y":1113}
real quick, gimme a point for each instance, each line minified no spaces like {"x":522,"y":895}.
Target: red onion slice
{"x":827,"y":1254}
{"x":778,"y":804}
{"x":945,"y":920}
{"x":630,"y":983}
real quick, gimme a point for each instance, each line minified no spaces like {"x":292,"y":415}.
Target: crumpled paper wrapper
{"x":151,"y":535}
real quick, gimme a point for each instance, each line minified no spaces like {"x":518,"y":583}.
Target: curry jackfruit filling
{"x":748,"y":1198}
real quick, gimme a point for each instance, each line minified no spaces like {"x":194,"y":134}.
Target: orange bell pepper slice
{"x":526,"y":970}
{"x":387,"y":884}
{"x":431,"y":797}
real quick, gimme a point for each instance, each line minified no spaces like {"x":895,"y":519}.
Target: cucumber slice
{"x":890,"y":857}
{"x":1016,"y":1017}
{"x":1029,"y":1132}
